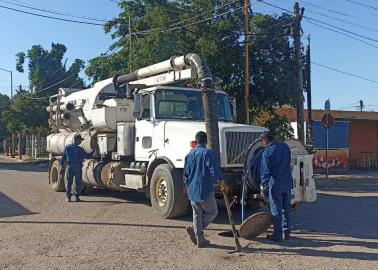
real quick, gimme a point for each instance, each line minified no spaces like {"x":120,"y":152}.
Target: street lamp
{"x":11,"y":76}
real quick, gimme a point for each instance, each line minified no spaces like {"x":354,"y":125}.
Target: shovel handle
{"x":232,"y":222}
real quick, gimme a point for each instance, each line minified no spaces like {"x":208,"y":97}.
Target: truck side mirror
{"x":232,"y":101}
{"x":138,"y":106}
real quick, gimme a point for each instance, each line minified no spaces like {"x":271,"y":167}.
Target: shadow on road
{"x":100,"y":224}
{"x":126,"y":197}
{"x":24,"y":167}
{"x":9,"y":207}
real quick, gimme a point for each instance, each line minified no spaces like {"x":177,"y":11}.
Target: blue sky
{"x":19,"y":32}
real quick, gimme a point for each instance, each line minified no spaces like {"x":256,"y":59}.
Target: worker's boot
{"x":77,"y":199}
{"x":191,"y":233}
{"x":203,"y":243}
{"x":68,"y":199}
{"x":274,"y":238}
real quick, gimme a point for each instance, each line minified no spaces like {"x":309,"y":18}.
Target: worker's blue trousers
{"x":73,"y":171}
{"x":279,"y":203}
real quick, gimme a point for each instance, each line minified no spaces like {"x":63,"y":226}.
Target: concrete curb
{"x":23,"y":161}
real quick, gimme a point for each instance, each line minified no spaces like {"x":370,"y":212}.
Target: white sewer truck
{"x":140,"y":128}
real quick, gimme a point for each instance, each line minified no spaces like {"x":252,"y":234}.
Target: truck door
{"x":144,"y":131}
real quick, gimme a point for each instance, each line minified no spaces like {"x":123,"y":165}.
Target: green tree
{"x":47,"y":69}
{"x":4,"y":106}
{"x":47,"y":72}
{"x":272,"y":64}
{"x":214,"y":30}
{"x":279,"y":126}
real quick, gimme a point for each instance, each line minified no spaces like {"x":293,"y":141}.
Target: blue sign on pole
{"x":327,"y":105}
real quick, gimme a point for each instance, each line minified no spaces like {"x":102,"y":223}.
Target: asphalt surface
{"x":108,"y":230}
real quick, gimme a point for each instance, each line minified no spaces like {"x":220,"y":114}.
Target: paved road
{"x":39,"y":230}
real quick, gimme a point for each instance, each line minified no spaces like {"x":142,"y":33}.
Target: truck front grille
{"x":237,"y":144}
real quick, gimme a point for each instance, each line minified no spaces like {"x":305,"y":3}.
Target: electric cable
{"x":344,"y":34}
{"x":361,"y":4}
{"x":50,"y":17}
{"x":16,"y":3}
{"x":344,"y":72}
{"x":327,"y":24}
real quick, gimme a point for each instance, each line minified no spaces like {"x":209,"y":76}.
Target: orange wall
{"x":363,"y":137}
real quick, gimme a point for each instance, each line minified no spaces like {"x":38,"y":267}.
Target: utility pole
{"x":13,"y":135}
{"x":308,"y":91}
{"x":130,"y":40}
{"x":246,"y":61}
{"x":298,"y":59}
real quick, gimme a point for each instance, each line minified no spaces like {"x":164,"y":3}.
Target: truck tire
{"x":56,"y":180}
{"x":167,"y":192}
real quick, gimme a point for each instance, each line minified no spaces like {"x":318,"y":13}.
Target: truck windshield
{"x":187,"y":104}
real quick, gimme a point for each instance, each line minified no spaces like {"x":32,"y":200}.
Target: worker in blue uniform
{"x":201,"y":172}
{"x":74,"y":156}
{"x":277,"y":181}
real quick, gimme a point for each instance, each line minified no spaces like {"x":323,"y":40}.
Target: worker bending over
{"x":276,"y":179}
{"x":74,"y":156}
{"x":200,"y":174}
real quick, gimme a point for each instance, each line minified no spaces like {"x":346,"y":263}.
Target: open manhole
{"x":255,"y":225}
{"x":227,"y":234}
{"x":252,"y":227}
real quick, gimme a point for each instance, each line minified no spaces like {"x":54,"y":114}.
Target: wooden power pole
{"x":309,"y":98}
{"x":246,"y":61}
{"x":298,"y":59}
{"x":130,"y":40}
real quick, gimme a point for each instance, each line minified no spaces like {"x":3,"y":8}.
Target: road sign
{"x":328,"y":121}
{"x":327,"y":105}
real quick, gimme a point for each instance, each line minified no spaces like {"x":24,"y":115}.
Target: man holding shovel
{"x":200,"y":173}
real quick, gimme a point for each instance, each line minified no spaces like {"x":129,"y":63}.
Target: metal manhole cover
{"x":255,"y":225}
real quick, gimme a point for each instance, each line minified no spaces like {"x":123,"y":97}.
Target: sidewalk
{"x":25,"y":159}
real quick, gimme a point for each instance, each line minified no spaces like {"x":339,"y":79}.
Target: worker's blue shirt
{"x":275,"y":167}
{"x":74,"y":155}
{"x":200,"y":173}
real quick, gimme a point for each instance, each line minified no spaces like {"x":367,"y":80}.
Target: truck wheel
{"x":166,"y":192}
{"x":56,"y":180}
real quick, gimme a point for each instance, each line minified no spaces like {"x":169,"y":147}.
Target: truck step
{"x":134,"y":181}
{"x":141,"y":171}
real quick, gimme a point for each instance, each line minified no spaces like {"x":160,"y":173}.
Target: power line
{"x":342,"y":33}
{"x":190,"y":24}
{"x":327,"y":24}
{"x":358,"y":3}
{"x":343,"y":21}
{"x":342,"y":29}
{"x":344,"y":72}
{"x":206,"y":12}
{"x":174,"y":27}
{"x":20,"y":27}
{"x":50,"y":17}
{"x":55,"y":84}
{"x":52,"y":11}
{"x":326,"y":9}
